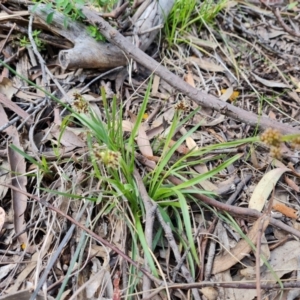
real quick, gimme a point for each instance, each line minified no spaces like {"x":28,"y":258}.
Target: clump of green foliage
{"x":186,"y":14}
{"x":24,"y":41}
{"x":95,"y":33}
{"x":72,"y":10}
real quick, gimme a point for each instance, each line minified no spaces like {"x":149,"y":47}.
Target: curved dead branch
{"x":199,"y":97}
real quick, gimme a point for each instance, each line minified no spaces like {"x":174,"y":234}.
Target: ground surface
{"x":137,"y":187}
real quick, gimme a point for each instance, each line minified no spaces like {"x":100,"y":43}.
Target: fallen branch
{"x":199,"y":97}
{"x":227,"y":285}
{"x":290,"y":31}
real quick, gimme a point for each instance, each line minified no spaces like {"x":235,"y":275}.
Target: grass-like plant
{"x":112,"y":161}
{"x":186,"y":14}
{"x":173,"y":201}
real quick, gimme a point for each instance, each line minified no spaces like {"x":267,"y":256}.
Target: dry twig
{"x":276,"y":13}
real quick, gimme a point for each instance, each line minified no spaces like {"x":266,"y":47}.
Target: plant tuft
{"x":108,"y":158}
{"x":271,"y":137}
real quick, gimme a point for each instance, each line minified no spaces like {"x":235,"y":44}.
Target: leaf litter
{"x":248,"y":59}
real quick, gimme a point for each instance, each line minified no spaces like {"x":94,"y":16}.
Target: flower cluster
{"x":181,"y":105}
{"x":275,"y":152}
{"x":80,"y":105}
{"x":108,"y":157}
{"x":296,"y":142}
{"x":272,"y":138}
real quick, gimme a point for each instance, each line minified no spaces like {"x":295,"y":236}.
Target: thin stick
{"x":37,"y":53}
{"x":228,"y":285}
{"x":284,"y":26}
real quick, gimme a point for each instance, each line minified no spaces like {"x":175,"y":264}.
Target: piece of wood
{"x":90,"y":54}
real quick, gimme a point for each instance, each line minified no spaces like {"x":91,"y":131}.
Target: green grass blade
{"x":206,"y":175}
{"x":147,"y":253}
{"x":187,"y":224}
{"x":137,"y":124}
{"x":29,"y":158}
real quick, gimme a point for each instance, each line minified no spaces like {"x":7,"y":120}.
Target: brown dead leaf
{"x":272,"y":115}
{"x":155,"y":131}
{"x":2,"y":217}
{"x":291,"y":183}
{"x":228,"y":293}
{"x":294,"y":96}
{"x":99,"y":251}
{"x":27,"y":96}
{"x":4,"y":16}
{"x":7,"y":88}
{"x":265,"y":187}
{"x":180,"y":149}
{"x":4,"y":120}
{"x":19,"y":180}
{"x":4,"y":271}
{"x":127,"y":126}
{"x":285,"y":210}
{"x":270,"y":83}
{"x":155,"y":85}
{"x":144,"y":143}
{"x":229,"y":94}
{"x":4,"y":178}
{"x":296,"y":83}
{"x":67,"y":137}
{"x":201,"y":42}
{"x":254,"y":159}
{"x":242,"y":248}
{"x":264,"y":249}
{"x":216,"y":135}
{"x":226,"y":93}
{"x":210,"y":293}
{"x":15,"y":108}
{"x":190,"y":142}
{"x":293,"y":170}
{"x":141,"y":139}
{"x":167,"y":116}
{"x":99,"y":276}
{"x":283,"y":260}
{"x":132,"y":116}
{"x":207,"y":65}
{"x":188,"y":78}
